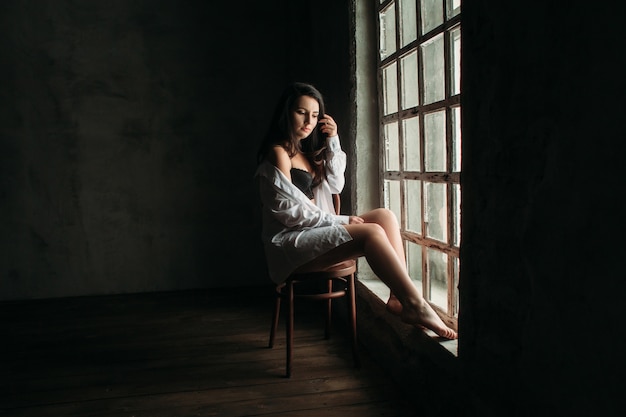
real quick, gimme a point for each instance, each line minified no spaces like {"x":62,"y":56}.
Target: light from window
{"x":408,"y":28}
{"x":387,"y":31}
{"x":410,"y":83}
{"x":435,"y":141}
{"x":412,"y":148}
{"x":434,"y":69}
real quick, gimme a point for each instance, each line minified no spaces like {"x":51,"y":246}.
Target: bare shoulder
{"x":277,"y":153}
{"x":279,"y":157}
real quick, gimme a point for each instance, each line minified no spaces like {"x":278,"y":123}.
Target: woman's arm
{"x":335,"y":165}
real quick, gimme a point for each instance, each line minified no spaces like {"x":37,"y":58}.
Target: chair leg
{"x":275,"y":321}
{"x":290,"y":315}
{"x":352,"y":316}
{"x":329,"y":307}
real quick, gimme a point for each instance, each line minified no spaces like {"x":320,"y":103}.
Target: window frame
{"x":450,"y":177}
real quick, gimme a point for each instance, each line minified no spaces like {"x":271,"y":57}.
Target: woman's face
{"x":304,"y":116}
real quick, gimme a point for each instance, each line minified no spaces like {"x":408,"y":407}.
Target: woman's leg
{"x":370,"y":240}
{"x":389,"y":222}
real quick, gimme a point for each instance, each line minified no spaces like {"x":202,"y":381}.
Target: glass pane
{"x":456,"y":139}
{"x":455,"y":306}
{"x":432,"y":14}
{"x":455,"y":61}
{"x":453,"y":7}
{"x":411,"y":135}
{"x":435,"y":141}
{"x":387,"y":41}
{"x":392,"y":147}
{"x":414,"y":263}
{"x":435,"y":213}
{"x":408,"y":20}
{"x":434,"y":69}
{"x":392,"y":197}
{"x":456,"y":214}
{"x":410,"y":86}
{"x":437,"y":268}
{"x":413,"y":199}
{"x":390,"y":89}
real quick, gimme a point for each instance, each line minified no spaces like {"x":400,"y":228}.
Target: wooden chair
{"x":337,"y":281}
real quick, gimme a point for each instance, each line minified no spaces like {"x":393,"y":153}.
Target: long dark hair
{"x":281,"y":130}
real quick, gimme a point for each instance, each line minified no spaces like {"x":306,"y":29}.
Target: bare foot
{"x":425,"y":316}
{"x":393,"y":305}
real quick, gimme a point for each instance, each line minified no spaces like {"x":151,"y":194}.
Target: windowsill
{"x":381,"y":291}
{"x":419,"y":361}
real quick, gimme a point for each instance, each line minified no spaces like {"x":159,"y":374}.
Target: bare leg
{"x":371,"y":241}
{"x":388,"y":221}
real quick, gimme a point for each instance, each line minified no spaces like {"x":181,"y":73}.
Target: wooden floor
{"x":190,"y":353}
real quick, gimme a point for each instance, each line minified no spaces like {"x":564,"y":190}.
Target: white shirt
{"x":296,"y":230}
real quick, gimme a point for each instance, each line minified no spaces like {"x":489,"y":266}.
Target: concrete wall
{"x":128,"y":136}
{"x":542,"y":276}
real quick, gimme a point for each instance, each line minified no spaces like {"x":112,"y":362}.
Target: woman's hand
{"x":356,"y":220}
{"x":328,"y":126}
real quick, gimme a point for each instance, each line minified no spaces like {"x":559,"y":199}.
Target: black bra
{"x":303,"y":180}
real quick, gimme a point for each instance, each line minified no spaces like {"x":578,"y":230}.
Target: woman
{"x":301,"y":164}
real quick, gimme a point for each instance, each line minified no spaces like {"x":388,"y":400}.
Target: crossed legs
{"x":388,"y":221}
{"x":379,"y":240}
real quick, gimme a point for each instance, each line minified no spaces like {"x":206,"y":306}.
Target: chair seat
{"x":340,"y":269}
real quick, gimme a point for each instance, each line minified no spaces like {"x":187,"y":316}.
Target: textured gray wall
{"x":542,"y":276}
{"x":128,"y":133}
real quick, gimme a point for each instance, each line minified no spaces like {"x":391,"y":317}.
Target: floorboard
{"x":186,"y":353}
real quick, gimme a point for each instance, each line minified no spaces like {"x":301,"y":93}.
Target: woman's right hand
{"x":328,"y":126}
{"x":356,"y":220}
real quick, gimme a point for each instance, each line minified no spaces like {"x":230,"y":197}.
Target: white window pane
{"x":392,"y":147}
{"x":408,"y":29}
{"x":411,"y":135}
{"x":387,"y":31}
{"x":413,"y":204}
{"x":456,"y":139}
{"x":435,"y":141}
{"x":456,"y":265}
{"x":456,"y":214}
{"x":437,"y":268}
{"x":390,"y":89}
{"x":392,"y":197}
{"x":455,"y":61}
{"x":453,"y":8}
{"x":432,"y":14}
{"x":435,"y":213}
{"x":434,"y":69}
{"x":410,"y":85}
{"x":414,"y":263}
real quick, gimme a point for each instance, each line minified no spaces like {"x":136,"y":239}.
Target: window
{"x":419,"y":114}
